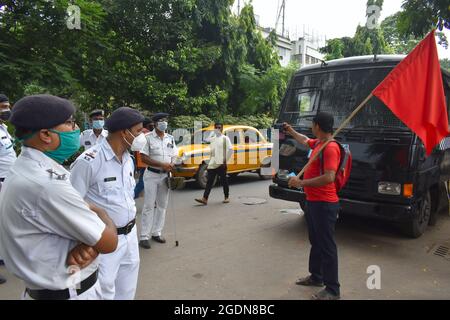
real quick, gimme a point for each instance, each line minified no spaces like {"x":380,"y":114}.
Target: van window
{"x":303,"y":100}
{"x":340,"y":93}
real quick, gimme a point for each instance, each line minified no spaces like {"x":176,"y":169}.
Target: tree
{"x":400,"y":43}
{"x":418,"y":17}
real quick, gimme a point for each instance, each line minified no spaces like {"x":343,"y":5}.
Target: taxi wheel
{"x":202,"y":176}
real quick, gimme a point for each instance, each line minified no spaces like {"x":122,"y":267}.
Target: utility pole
{"x":282,"y":15}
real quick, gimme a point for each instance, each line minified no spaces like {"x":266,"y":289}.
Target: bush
{"x":187,"y":122}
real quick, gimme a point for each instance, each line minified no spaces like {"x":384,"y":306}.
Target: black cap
{"x":325,"y":121}
{"x":41,"y":112}
{"x":3,"y":98}
{"x":97,"y":112}
{"x":158,"y":116}
{"x":123,"y":118}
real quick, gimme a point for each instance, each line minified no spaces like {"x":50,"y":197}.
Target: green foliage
{"x":185,"y":57}
{"x":419,"y":17}
{"x":445,"y":63}
{"x":365,"y":42}
{"x":262,"y":121}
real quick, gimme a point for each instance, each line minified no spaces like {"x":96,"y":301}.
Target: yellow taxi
{"x":250,"y":151}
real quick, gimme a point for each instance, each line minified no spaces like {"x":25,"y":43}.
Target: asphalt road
{"x":241,"y":251}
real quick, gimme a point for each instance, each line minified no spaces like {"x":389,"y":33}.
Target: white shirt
{"x":103,"y":180}
{"x":88,"y":139}
{"x":162,"y":150}
{"x":7,"y":153}
{"x":42,"y":218}
{"x":221,"y":151}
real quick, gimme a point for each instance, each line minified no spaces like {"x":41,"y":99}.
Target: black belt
{"x":127,"y":229}
{"x":155,"y":170}
{"x":85,"y":285}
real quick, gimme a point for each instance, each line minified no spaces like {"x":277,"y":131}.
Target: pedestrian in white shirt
{"x":104,"y":175}
{"x":221,"y":150}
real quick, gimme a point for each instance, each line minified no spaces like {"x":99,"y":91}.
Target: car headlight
{"x":283,"y":174}
{"x":390,"y":188}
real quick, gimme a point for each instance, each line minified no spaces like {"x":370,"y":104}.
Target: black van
{"x":391,"y":178}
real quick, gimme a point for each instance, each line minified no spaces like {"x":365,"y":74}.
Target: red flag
{"x":415,"y":94}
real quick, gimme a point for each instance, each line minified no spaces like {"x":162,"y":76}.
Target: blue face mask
{"x":98,"y":124}
{"x":68,"y":146}
{"x":162,"y":126}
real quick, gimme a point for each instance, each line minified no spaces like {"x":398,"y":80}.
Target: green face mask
{"x":69,"y":145}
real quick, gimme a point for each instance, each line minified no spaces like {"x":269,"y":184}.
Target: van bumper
{"x":379,"y":210}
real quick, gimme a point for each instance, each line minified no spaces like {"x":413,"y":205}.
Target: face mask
{"x":138,"y":142}
{"x":5,"y":114}
{"x":98,"y":124}
{"x":68,"y":146}
{"x":162,"y":126}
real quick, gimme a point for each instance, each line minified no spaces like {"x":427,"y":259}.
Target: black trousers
{"x":323,"y":258}
{"x":212,"y":174}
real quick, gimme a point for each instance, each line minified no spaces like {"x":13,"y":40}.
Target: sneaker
{"x":202,"y":201}
{"x":309,"y":282}
{"x":325,"y":295}
{"x":145,"y":244}
{"x":227,"y":200}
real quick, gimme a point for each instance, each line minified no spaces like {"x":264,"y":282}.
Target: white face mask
{"x":138,"y":142}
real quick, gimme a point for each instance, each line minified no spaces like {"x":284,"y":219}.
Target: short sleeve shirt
{"x":42,"y":219}
{"x":103,"y":180}
{"x":331,"y":158}
{"x":88,"y":139}
{"x":162,"y":150}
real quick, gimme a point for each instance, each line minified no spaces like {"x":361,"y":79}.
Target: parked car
{"x":250,"y":150}
{"x":392,"y":178}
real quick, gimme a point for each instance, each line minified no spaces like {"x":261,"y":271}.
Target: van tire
{"x":201,"y":178}
{"x":416,"y":227}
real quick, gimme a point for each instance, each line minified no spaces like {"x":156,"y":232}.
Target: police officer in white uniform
{"x":104,"y":175}
{"x":7,"y":153}
{"x":49,"y":236}
{"x":97,"y":134}
{"x":159,"y":154}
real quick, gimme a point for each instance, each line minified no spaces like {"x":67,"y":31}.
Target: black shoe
{"x":309,"y":282}
{"x":2,"y":263}
{"x":159,"y":239}
{"x":2,"y":280}
{"x":325,"y":295}
{"x":145,"y":244}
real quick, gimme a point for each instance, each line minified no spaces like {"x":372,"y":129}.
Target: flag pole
{"x":342,"y":126}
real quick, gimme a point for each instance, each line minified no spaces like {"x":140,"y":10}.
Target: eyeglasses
{"x":72,"y":123}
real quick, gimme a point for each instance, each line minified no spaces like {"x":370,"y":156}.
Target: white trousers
{"x":156,"y":190}
{"x":118,"y":271}
{"x":93,"y":293}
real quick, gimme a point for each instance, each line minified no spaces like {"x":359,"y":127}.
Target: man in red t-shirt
{"x":322,"y":206}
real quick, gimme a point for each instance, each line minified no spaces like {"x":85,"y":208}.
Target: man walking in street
{"x":221,"y":151}
{"x":322,"y":207}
